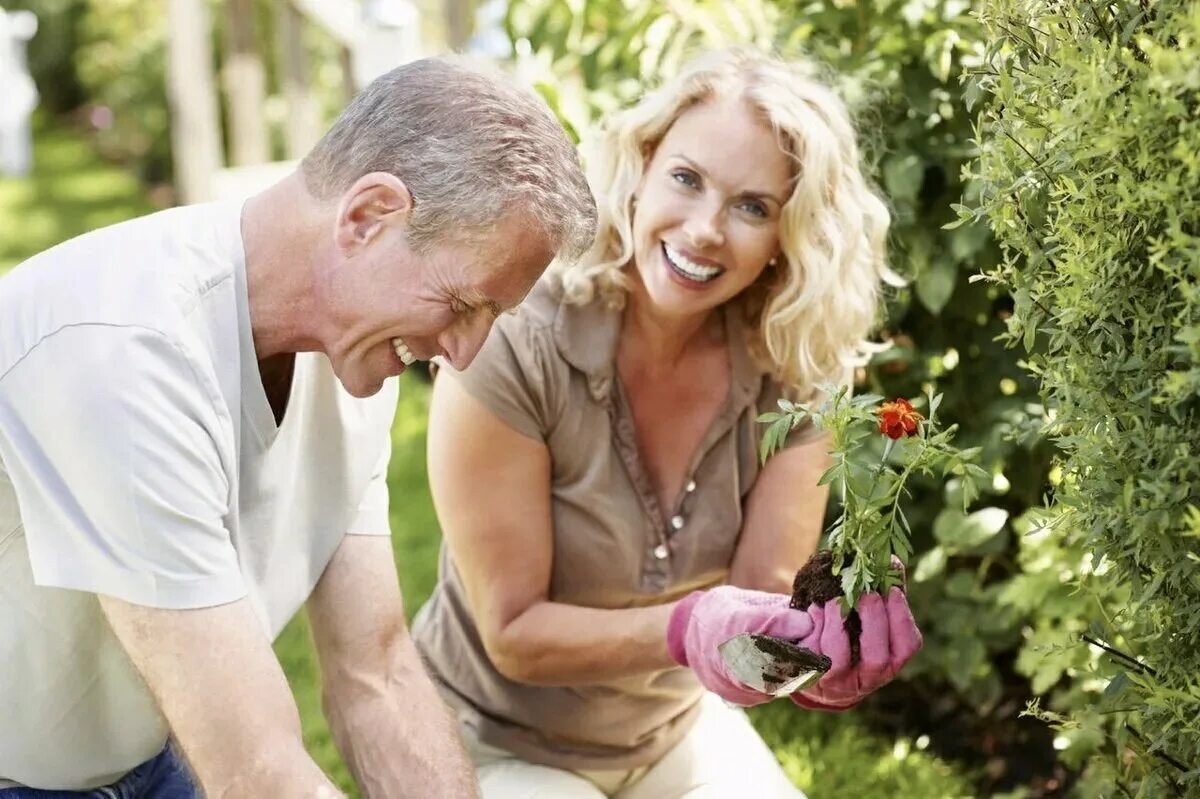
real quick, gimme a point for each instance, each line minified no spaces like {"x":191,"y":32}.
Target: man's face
{"x":391,"y":305}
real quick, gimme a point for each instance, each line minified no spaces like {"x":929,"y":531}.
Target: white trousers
{"x":722,"y":757}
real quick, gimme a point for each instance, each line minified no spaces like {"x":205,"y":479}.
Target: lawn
{"x":72,"y":191}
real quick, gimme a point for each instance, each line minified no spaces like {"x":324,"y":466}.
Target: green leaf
{"x":935,"y":284}
{"x":902,"y":176}
{"x":774,"y":437}
{"x":932,"y":564}
{"x":832,"y":473}
{"x":1115,"y":686}
{"x":960,"y":532}
{"x":935,"y":402}
{"x":863,"y":400}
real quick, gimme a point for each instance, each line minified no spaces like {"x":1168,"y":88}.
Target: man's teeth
{"x":695,"y":271}
{"x":406,"y":357}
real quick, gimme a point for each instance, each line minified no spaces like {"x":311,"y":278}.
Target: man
{"x":194,"y":416}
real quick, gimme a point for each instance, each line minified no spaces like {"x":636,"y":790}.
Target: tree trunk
{"x":245,"y":85}
{"x":457,"y":14}
{"x":195,"y":136}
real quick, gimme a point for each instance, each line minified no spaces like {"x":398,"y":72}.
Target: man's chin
{"x":360,"y":389}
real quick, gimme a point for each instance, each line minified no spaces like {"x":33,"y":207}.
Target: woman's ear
{"x":648,"y":149}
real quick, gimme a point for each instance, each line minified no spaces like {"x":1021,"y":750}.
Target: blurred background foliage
{"x":1005,"y":592}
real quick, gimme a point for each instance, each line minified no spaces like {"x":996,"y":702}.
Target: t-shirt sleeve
{"x":120,"y":452}
{"x":512,"y":378}
{"x":371,"y":517}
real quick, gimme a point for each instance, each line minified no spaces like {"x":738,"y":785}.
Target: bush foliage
{"x":1090,"y":177}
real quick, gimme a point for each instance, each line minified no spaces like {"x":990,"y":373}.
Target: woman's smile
{"x":693,"y":270}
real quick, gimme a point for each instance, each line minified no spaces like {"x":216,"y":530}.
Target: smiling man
{"x":194,"y":418}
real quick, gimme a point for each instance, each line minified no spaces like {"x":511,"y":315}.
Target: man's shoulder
{"x":149,"y":272}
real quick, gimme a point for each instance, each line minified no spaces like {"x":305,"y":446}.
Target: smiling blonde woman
{"x":607,"y":522}
{"x":818,"y":299}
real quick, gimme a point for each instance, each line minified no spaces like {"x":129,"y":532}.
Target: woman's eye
{"x":686,"y":177}
{"x":756,"y":209}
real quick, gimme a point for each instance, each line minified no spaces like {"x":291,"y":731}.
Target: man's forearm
{"x":212,"y":673}
{"x":395,"y":733}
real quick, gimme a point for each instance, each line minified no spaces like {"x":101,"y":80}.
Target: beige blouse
{"x":549,"y":373}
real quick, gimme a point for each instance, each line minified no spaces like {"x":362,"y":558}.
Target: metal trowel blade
{"x":772,"y":665}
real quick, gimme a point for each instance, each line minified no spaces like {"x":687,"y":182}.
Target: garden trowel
{"x":772,"y":665}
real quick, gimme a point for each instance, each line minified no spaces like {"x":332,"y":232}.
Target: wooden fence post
{"x":195,"y":133}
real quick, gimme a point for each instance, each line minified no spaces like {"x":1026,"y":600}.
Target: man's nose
{"x":462,"y":342}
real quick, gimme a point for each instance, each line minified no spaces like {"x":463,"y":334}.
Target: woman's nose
{"x":704,"y":227}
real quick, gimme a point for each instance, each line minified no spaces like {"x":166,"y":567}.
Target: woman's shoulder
{"x":526,"y":337}
{"x":542,"y":305}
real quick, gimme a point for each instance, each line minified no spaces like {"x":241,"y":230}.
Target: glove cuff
{"x":677,"y":627}
{"x":813,"y":704}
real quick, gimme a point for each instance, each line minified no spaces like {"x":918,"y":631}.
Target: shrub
{"x":1090,"y":177}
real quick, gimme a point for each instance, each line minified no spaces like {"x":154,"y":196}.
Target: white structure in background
{"x":379,"y":36}
{"x":390,"y":35}
{"x":18,"y":95}
{"x":490,"y":40}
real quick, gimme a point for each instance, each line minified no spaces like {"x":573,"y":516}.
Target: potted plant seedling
{"x":870,"y":539}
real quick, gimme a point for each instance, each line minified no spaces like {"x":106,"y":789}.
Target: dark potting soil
{"x":816,"y":583}
{"x":790,"y":661}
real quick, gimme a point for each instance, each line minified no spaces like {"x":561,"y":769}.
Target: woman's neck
{"x":652,"y":342}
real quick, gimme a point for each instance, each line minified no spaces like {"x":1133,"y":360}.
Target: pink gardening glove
{"x":703,"y":620}
{"x":888,"y":640}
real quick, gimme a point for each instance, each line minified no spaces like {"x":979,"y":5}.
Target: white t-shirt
{"x":139,"y":458}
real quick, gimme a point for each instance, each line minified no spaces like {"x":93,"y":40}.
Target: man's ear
{"x":376,"y":200}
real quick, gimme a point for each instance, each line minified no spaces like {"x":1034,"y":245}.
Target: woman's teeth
{"x":688,"y":268}
{"x":402,"y":352}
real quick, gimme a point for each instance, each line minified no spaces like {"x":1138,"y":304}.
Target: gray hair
{"x":469,"y":145}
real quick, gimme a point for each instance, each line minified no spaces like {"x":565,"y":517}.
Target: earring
{"x":774,"y":261}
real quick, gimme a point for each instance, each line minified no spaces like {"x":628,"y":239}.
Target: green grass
{"x":72,"y":191}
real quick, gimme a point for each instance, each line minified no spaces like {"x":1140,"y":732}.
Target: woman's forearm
{"x":557,"y":644}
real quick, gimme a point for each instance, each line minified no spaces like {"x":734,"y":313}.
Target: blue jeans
{"x":165,"y":776}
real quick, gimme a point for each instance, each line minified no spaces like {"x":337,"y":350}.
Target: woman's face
{"x":707,"y":216}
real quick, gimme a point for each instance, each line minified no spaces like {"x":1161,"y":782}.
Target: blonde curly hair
{"x":813,"y":310}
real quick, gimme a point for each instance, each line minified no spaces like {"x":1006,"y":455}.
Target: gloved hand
{"x":889,"y":638}
{"x":703,"y":620}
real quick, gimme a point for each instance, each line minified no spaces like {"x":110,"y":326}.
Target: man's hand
{"x":387,"y":718}
{"x":224,"y":696}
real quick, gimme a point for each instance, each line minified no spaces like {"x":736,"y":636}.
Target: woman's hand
{"x":703,"y":620}
{"x":889,"y":638}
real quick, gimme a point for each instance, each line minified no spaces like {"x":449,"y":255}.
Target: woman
{"x":595,"y":472}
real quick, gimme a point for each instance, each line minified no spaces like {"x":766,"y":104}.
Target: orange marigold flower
{"x":898,"y":419}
